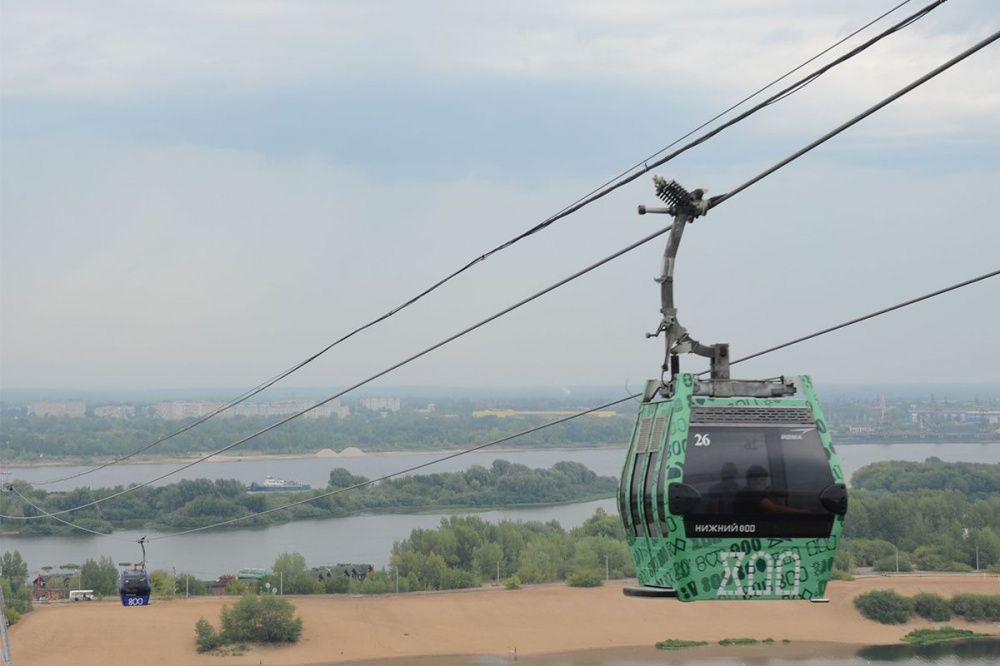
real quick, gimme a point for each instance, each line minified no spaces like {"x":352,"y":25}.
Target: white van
{"x":81,"y":595}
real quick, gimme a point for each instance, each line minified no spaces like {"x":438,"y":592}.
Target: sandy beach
{"x":533,"y":621}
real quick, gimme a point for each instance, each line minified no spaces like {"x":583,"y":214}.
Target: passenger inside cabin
{"x":758,"y":496}
{"x":722,"y":494}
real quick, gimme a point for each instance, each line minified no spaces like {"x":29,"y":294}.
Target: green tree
{"x":885,"y":606}
{"x":162,"y":583}
{"x":185,"y":583}
{"x":100,"y":576}
{"x":260,"y":619}
{"x":16,"y":602}
{"x":206,"y":637}
{"x":291,"y":574}
{"x":13,"y":568}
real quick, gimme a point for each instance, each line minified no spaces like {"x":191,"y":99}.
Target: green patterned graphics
{"x":787,"y":555}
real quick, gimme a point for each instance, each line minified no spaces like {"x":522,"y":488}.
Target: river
{"x":357,"y":538}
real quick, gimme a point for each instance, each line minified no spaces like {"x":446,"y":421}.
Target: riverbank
{"x":535,"y":621}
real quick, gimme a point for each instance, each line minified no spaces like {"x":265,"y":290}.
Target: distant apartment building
{"x":954,"y":415}
{"x":332,"y":408}
{"x":173,"y":410}
{"x":381,"y":404}
{"x":115,"y":411}
{"x":72,"y":408}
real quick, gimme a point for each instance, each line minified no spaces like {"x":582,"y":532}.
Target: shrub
{"x":513,"y":583}
{"x":738,"y":641}
{"x":206,"y":637}
{"x":236,"y":587}
{"x":888,"y":563}
{"x":884,"y":606}
{"x":977,"y":607}
{"x":677,"y":644}
{"x":931,"y":607}
{"x":927,"y":636}
{"x":337,"y":584}
{"x":585,"y":578}
{"x":255,"y":619}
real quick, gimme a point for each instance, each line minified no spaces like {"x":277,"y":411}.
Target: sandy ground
{"x":534,"y":620}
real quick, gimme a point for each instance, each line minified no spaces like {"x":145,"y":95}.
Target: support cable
{"x":480,"y":447}
{"x":712,"y":203}
{"x":507,"y":310}
{"x":715,"y":201}
{"x":608,"y":187}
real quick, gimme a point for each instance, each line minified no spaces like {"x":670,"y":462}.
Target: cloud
{"x":130,"y":265}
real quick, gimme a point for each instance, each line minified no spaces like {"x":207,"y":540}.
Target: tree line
{"x":27,"y":437}
{"x":195,"y":503}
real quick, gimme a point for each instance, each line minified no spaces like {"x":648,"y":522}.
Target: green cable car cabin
{"x":731,"y":489}
{"x":732,"y":498}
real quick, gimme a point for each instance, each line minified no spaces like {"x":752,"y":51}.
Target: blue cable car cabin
{"x":134,"y":587}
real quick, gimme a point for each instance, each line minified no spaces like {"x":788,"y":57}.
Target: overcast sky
{"x":202,"y":194}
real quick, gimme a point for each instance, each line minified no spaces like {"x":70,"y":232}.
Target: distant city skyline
{"x":203,"y":196}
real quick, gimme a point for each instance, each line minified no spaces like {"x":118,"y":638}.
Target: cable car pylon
{"x":731,"y":488}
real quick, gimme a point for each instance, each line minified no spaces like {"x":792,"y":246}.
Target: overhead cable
{"x":615,"y":183}
{"x":535,"y":429}
{"x":712,"y":203}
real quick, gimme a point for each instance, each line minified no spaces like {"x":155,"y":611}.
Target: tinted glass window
{"x":759,"y":480}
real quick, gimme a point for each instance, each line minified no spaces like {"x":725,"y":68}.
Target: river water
{"x":983,"y":652}
{"x":356,"y":538}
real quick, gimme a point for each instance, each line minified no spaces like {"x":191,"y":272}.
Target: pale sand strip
{"x":534,"y":620}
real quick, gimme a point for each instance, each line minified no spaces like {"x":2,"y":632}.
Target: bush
{"x":255,"y":619}
{"x":977,"y":607}
{"x":585,"y":578}
{"x":738,"y":641}
{"x":678,"y":644}
{"x":931,"y":607}
{"x":206,"y":637}
{"x":337,"y":585}
{"x":884,"y":606}
{"x":888,"y":563}
{"x":513,"y":583}
{"x":928,"y":636}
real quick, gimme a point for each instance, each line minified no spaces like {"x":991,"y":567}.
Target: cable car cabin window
{"x":135,"y":583}
{"x":756,"y":480}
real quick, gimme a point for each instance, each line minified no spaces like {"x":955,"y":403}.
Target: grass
{"x":739,"y":641}
{"x":678,"y":644}
{"x":232,"y":650}
{"x":928,"y":636}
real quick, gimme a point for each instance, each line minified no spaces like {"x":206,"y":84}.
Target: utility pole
{"x":607,"y":569}
{"x":396,"y":571}
{"x":281,"y":583}
{"x":4,"y":636}
{"x":498,"y":573}
{"x":897,"y":558}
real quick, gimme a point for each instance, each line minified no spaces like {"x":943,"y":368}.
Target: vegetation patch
{"x":585,"y":578}
{"x":885,"y":606}
{"x":977,"y":607}
{"x":931,"y":607}
{"x":678,"y":644}
{"x":927,"y":636}
{"x":195,"y":503}
{"x":252,"y":619}
{"x":739,"y":641}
